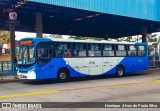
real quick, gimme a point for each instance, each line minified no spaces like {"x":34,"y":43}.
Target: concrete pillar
{"x":39,"y":26}
{"x":144,"y":32}
{"x":12,"y":41}
{"x":106,"y":37}
{"x":137,"y":38}
{"x":12,"y":45}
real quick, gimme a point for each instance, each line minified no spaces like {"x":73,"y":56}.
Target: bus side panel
{"x":110,"y":63}
{"x":77,"y":68}
{"x":58,"y":63}
{"x":93,"y":66}
{"x":132,"y":64}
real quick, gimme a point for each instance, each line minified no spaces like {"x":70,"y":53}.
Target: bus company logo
{"x":12,"y":16}
{"x":6,"y":105}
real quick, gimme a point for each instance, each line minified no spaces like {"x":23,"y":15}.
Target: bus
{"x":42,"y":58}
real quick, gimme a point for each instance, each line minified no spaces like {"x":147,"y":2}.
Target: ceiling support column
{"x":12,"y":45}
{"x":39,"y":25}
{"x":144,"y":32}
{"x":106,"y":37}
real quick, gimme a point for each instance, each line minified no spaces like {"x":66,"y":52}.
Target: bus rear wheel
{"x":120,"y":71}
{"x":63,"y":75}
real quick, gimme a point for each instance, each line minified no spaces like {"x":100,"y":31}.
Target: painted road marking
{"x":113,"y":85}
{"x":27,"y":94}
{"x":71,"y":89}
{"x":158,"y":80}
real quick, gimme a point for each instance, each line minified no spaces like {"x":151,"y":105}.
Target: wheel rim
{"x":63,"y":75}
{"x":120,"y":71}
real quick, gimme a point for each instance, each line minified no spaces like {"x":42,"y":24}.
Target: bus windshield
{"x":26,"y":55}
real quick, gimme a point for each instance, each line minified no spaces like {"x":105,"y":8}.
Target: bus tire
{"x":63,"y":75}
{"x":120,"y":71}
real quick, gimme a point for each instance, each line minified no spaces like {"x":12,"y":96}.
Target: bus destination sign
{"x":25,"y":42}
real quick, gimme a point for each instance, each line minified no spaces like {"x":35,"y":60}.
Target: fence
{"x":154,"y":61}
{"x":5,"y":67}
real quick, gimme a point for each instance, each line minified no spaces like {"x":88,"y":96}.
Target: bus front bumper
{"x":30,"y":75}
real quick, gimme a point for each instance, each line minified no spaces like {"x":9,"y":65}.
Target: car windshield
{"x":26,"y":55}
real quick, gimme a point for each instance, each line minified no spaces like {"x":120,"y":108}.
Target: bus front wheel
{"x":120,"y":71}
{"x":63,"y":75}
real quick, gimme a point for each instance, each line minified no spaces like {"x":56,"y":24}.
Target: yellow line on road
{"x":72,"y":89}
{"x":27,"y":94}
{"x":158,"y":80}
{"x":113,"y":85}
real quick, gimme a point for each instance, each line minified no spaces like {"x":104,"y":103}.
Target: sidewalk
{"x":7,"y":77}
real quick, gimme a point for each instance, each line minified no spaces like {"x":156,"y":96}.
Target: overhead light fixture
{"x":79,"y":19}
{"x":51,"y":16}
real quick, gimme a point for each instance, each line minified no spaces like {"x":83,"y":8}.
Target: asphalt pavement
{"x":142,"y":86}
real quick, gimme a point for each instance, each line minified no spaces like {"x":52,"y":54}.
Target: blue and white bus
{"x":41,"y":58}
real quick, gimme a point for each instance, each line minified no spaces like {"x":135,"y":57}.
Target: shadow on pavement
{"x":86,"y":78}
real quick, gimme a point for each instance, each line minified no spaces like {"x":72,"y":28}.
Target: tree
{"x":85,"y":38}
{"x":55,"y":36}
{"x":151,"y":37}
{"x":4,"y":38}
{"x":78,"y":37}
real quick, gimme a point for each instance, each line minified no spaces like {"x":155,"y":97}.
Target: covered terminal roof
{"x":78,"y":17}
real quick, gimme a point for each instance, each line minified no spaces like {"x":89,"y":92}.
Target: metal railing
{"x":154,"y":61}
{"x":7,"y":67}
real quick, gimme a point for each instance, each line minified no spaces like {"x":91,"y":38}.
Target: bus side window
{"x":121,"y":50}
{"x":132,"y":50}
{"x":141,"y":50}
{"x":79,"y":50}
{"x":76,"y":53}
{"x":94,"y":50}
{"x":68,"y":53}
{"x":108,"y":50}
{"x":61,"y":48}
{"x":44,"y":52}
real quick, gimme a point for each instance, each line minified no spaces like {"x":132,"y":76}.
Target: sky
{"x":20,"y":35}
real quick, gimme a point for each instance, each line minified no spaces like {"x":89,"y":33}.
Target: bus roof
{"x":82,"y":41}
{"x":94,"y":41}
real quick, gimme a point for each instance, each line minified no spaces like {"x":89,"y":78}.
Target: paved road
{"x":140,"y":87}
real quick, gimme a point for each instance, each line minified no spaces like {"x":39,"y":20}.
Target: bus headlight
{"x":31,"y":70}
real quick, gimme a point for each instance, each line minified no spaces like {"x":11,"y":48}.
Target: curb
{"x":154,"y":68}
{"x":150,"y":69}
{"x":8,"y":79}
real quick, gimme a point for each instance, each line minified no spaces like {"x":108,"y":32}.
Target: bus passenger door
{"x":44,"y":71}
{"x":44,"y":56}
